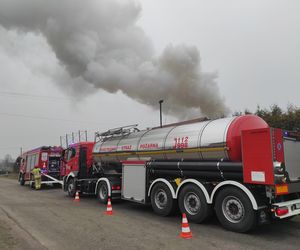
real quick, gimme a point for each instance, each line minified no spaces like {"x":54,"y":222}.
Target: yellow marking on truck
{"x":178,"y":181}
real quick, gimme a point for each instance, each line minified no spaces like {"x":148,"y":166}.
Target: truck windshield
{"x":54,"y":164}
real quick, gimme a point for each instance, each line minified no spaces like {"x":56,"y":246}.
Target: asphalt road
{"x":48,"y":219}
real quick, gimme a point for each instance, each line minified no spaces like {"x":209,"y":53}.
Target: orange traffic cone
{"x":185,"y":229}
{"x":77,"y":199}
{"x":109,"y":208}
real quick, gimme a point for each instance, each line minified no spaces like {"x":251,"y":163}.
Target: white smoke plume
{"x":99,"y":44}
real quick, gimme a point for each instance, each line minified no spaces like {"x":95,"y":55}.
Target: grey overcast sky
{"x":252,"y":47}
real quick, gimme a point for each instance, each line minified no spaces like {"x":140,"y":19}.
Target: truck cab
{"x":77,"y":162}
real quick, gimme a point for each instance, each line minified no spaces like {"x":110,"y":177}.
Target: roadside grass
{"x":7,"y":241}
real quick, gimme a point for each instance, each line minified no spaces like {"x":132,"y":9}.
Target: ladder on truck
{"x":120,"y":131}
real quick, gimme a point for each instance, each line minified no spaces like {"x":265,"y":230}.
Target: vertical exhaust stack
{"x":104,"y":48}
{"x":160,"y":112}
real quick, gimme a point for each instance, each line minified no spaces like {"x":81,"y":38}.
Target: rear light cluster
{"x":116,"y":188}
{"x":280,"y":211}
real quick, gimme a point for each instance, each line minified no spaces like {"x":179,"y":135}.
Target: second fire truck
{"x":47,"y":158}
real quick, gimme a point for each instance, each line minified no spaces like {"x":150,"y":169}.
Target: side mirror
{"x":62,"y":157}
{"x":73,"y":152}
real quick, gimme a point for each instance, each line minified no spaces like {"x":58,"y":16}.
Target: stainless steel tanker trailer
{"x":238,"y":168}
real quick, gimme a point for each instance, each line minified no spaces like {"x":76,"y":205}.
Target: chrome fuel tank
{"x":202,"y":141}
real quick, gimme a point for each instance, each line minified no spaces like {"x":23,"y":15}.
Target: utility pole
{"x":160,"y":111}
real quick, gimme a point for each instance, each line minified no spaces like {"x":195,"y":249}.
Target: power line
{"x":46,"y":118}
{"x":6,"y":148}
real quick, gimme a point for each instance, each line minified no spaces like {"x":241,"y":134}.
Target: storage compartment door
{"x":134,"y":182}
{"x":257,"y":154}
{"x":292,"y":158}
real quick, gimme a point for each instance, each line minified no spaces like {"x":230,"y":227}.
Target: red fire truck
{"x":238,"y":168}
{"x":78,"y":158}
{"x":48,"y":159}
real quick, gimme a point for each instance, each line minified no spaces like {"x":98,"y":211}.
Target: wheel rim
{"x":103,"y":192}
{"x":70,"y":187}
{"x":161,"y":199}
{"x":192,"y":203}
{"x":233,"y":209}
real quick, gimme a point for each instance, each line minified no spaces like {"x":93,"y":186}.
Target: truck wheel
{"x":234,"y":210}
{"x":192,"y":202}
{"x":21,"y":179}
{"x":71,"y":187}
{"x":161,"y":200}
{"x":102,"y":192}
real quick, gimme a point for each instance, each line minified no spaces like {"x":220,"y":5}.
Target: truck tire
{"x":102,"y":193}
{"x":192,"y":202}
{"x":21,"y":179}
{"x":234,"y":210}
{"x":71,"y":187}
{"x":161,"y":200}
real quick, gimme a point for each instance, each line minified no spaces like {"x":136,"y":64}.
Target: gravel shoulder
{"x":13,"y":236}
{"x":7,"y":239}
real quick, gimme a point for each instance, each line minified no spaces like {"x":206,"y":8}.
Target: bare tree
{"x":7,"y":164}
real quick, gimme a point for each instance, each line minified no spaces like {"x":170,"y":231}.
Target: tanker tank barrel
{"x":205,"y":141}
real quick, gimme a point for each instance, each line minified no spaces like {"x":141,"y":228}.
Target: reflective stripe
{"x":185,"y":230}
{"x":196,"y":182}
{"x":157,"y":152}
{"x":108,"y":185}
{"x":163,"y":181}
{"x":236,"y":184}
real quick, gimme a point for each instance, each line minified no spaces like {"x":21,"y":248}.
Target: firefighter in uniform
{"x":37,"y":177}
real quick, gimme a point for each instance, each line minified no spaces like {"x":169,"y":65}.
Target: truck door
{"x":27,"y":167}
{"x":82,"y":162}
{"x":71,"y":160}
